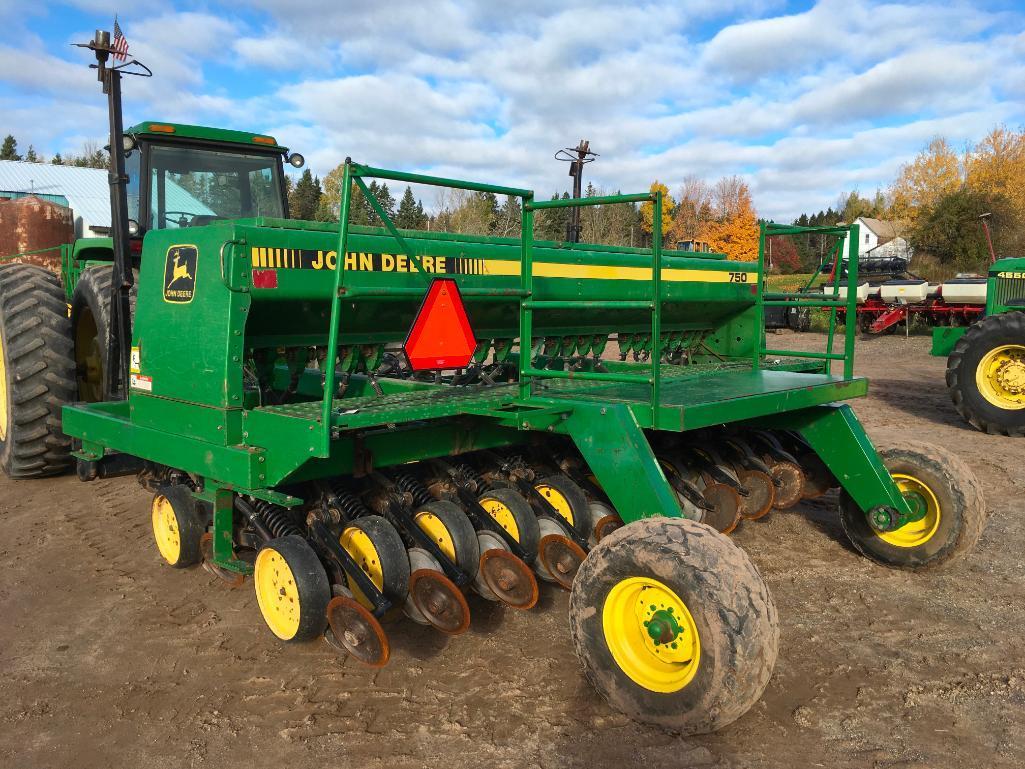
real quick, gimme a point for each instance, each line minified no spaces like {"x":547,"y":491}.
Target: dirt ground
{"x":109,"y":659}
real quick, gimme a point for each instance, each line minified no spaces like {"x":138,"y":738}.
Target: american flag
{"x":120,"y":43}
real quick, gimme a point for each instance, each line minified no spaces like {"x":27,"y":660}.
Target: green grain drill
{"x":372,"y":424}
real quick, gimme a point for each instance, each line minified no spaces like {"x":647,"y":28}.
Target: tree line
{"x":936,"y":201}
{"x":92,"y":156}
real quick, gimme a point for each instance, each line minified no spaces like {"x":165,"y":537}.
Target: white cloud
{"x":804,"y":104}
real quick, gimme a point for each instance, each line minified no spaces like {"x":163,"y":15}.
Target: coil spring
{"x":352,"y":507}
{"x":412,"y":486}
{"x":469,"y":473}
{"x":275,"y":518}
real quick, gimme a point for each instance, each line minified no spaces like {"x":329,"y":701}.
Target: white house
{"x":873,"y":233}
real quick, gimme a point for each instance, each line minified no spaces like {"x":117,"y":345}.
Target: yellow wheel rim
{"x":651,"y":634}
{"x":1000,"y":376}
{"x":277,"y":593}
{"x":920,"y":496}
{"x":165,"y":529}
{"x":502,"y":514}
{"x":557,"y":500}
{"x":438,"y":531}
{"x":3,"y":391}
{"x":358,"y":544}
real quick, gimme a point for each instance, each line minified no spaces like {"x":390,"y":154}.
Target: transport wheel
{"x":292,"y":589}
{"x":937,"y":482}
{"x":176,"y":527}
{"x":986,"y":374}
{"x":451,"y":529}
{"x":514,"y":514}
{"x":357,"y":631}
{"x":90,"y":327}
{"x":726,"y":505}
{"x":674,"y":625}
{"x":567,"y":499}
{"x":37,"y":372}
{"x":762,"y":493}
{"x":377,"y":547}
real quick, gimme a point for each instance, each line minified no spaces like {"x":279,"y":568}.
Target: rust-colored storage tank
{"x":30,"y":224}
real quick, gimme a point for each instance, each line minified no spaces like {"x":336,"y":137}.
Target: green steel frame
{"x":208,"y":427}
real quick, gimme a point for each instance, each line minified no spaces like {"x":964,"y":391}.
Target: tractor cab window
{"x":190,"y":187}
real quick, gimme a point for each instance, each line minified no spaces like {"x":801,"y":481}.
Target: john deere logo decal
{"x":180,"y":274}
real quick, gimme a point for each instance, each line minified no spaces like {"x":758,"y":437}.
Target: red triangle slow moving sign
{"x":441,"y":337}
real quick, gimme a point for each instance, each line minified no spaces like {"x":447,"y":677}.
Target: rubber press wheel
{"x":936,"y":482}
{"x":674,"y":625}
{"x":568,"y":500}
{"x":453,"y":533}
{"x":514,"y":514}
{"x":377,"y":548}
{"x":37,"y":372}
{"x":986,"y":374}
{"x":292,"y":589}
{"x":176,"y":526}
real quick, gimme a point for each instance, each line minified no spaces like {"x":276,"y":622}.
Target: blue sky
{"x":804,"y":100}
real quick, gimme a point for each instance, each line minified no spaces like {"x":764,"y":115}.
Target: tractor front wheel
{"x":940,"y":485}
{"x":37,"y":372}
{"x":674,"y":625}
{"x":986,"y":374}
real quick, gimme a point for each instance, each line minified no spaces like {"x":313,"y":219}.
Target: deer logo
{"x":180,"y":270}
{"x":180,"y":274}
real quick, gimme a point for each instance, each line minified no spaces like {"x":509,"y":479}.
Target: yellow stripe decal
{"x":298,"y":259}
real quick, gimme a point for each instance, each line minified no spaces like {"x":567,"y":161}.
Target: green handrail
{"x":833,"y":302}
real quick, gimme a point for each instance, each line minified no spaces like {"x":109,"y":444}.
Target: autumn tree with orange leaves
{"x":734,"y":229}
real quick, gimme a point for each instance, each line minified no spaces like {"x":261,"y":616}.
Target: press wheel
{"x":377,"y":548}
{"x":568,"y":501}
{"x":176,"y":527}
{"x":292,"y":589}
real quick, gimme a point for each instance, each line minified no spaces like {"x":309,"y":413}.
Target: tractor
{"x":986,"y":361}
{"x":376,"y":427}
{"x":55,"y":330}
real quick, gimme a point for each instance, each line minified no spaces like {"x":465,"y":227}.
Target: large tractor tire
{"x":939,"y":483}
{"x":986,"y":374}
{"x":37,"y":372}
{"x":674,"y":625}
{"x":90,"y":325}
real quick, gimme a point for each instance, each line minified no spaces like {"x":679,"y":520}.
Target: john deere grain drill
{"x":374,"y":423}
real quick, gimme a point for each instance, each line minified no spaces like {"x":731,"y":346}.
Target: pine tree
{"x":407,"y":217}
{"x":422,"y":220}
{"x":31,"y":155}
{"x":305,"y":198}
{"x":57,"y":160}
{"x":9,"y":150}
